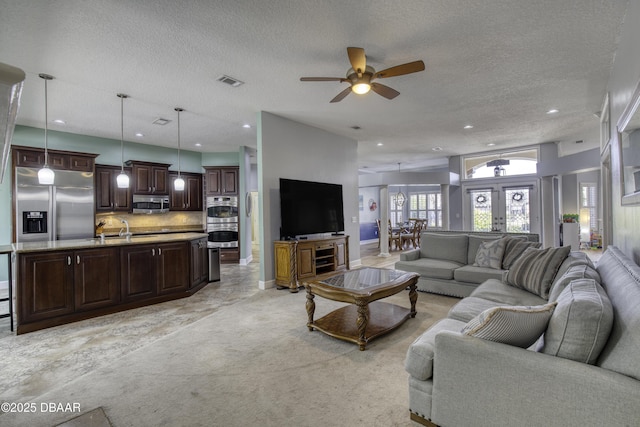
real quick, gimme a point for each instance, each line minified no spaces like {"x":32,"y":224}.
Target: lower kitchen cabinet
{"x":58,"y":286}
{"x":96,"y":280}
{"x":199,"y":262}
{"x":46,"y":286}
{"x":56,"y":283}
{"x":149,"y":270}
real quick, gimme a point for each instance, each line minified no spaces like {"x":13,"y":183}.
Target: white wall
{"x":624,"y":78}
{"x":288,"y":149}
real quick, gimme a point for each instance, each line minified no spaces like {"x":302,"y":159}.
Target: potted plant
{"x":570,"y":217}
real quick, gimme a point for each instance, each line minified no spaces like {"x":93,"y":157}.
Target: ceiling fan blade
{"x":341,"y":95}
{"x":323,"y":79}
{"x":358,"y":59}
{"x":385,"y":91}
{"x":399,"y":70}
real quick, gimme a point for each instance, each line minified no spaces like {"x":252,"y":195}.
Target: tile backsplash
{"x":143,"y":223}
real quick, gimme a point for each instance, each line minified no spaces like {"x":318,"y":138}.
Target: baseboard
{"x":366,"y":242}
{"x":4,"y":285}
{"x":264,"y":285}
{"x":246,"y":261}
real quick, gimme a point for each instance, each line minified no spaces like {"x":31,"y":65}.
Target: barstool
{"x":9,"y":251}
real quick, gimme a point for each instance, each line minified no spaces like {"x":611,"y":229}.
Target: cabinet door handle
{"x":78,"y":259}
{"x":149,"y":189}
{"x":68,"y":260}
{"x":159,"y":251}
{"x":153,"y":252}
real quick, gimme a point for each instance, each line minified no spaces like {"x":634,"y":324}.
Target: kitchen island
{"x":64,"y":281}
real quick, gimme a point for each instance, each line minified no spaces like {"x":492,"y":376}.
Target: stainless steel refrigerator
{"x":61,"y":211}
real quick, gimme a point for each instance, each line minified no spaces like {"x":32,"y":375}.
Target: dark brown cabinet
{"x":32,"y":157}
{"x":46,"y":285}
{"x":57,"y":283}
{"x":96,"y":282}
{"x":149,"y":178}
{"x":190,"y":199}
{"x":222,"y":181}
{"x":110,"y":198}
{"x":150,"y":270}
{"x":199,"y":262}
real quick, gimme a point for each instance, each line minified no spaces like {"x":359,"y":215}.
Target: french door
{"x":505,"y":207}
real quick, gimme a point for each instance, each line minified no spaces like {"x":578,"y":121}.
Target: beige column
{"x":384,"y":221}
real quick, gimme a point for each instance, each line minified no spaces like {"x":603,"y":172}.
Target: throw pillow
{"x":580,"y":325}
{"x":514,"y":325}
{"x":513,"y":249}
{"x":490,"y":254}
{"x":535,"y":269}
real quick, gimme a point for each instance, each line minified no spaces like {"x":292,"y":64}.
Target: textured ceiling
{"x":495,"y":64}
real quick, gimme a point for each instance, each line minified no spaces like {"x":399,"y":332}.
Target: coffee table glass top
{"x":363,"y":278}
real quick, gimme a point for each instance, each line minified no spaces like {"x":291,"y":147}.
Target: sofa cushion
{"x":449,"y":247}
{"x":580,"y":324}
{"x":428,"y":267}
{"x":471,"y":274}
{"x":535,"y":269}
{"x":514,"y":248}
{"x":474,"y":244}
{"x":579,"y":271}
{"x":497,"y":291}
{"x":469,"y":307}
{"x":519,"y":326}
{"x":490,"y":253}
{"x":419,"y":360}
{"x":574,"y":258}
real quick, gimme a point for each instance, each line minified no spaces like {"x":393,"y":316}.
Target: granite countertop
{"x":58,"y":245}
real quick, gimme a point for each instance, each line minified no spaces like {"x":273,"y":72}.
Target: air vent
{"x":230,"y":81}
{"x":160,"y":121}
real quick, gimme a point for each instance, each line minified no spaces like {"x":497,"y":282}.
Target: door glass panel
{"x":517,"y":210}
{"x":480,"y":210}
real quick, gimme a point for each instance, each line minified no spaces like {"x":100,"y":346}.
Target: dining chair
{"x":394,"y":237}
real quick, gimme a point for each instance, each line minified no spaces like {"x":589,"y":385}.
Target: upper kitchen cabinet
{"x":31,"y":157}
{"x":222,"y":181}
{"x":190,"y":199}
{"x":149,"y":178}
{"x":110,"y":198}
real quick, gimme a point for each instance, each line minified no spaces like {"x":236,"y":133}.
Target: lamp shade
{"x":178,"y":184}
{"x":122,"y":180}
{"x":46,"y":176}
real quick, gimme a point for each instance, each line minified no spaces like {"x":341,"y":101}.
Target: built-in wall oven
{"x":222,"y":221}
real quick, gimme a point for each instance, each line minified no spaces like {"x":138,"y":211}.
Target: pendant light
{"x":46,"y":175}
{"x":123,"y":178}
{"x":178,"y":184}
{"x":400,"y":197}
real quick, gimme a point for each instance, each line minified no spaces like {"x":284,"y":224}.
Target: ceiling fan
{"x":361,"y":76}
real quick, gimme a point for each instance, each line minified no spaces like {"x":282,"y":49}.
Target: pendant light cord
{"x":46,"y":122}
{"x":122,"y":96}
{"x":178,"y":109}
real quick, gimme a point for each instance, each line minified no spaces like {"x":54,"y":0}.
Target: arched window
{"x":495,"y":165}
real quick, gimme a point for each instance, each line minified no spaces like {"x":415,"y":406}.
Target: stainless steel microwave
{"x":143,"y":204}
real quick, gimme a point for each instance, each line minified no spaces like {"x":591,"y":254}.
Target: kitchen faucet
{"x":126,"y":234}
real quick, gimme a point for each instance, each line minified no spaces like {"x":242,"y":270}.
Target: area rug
{"x":252,"y":363}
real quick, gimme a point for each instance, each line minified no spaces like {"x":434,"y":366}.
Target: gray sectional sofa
{"x":579,"y":364}
{"x":445,"y":260}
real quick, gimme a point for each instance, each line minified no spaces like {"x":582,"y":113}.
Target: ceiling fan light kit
{"x":361,"y":76}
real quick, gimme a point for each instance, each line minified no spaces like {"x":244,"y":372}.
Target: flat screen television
{"x":310,"y":208}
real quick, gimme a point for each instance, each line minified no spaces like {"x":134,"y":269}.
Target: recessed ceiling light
{"x":437,"y":148}
{"x":491,"y":144}
{"x":246,"y":126}
{"x":380,"y":144}
{"x":139,"y":134}
{"x":468,"y":127}
{"x":553,"y":111}
{"x":59,"y":121}
{"x":198,"y":144}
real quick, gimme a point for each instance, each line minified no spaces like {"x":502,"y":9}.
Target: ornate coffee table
{"x":366,"y":318}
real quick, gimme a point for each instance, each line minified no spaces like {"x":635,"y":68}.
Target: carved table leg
{"x":362,"y":321}
{"x":311,"y":308}
{"x":413,"y":297}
